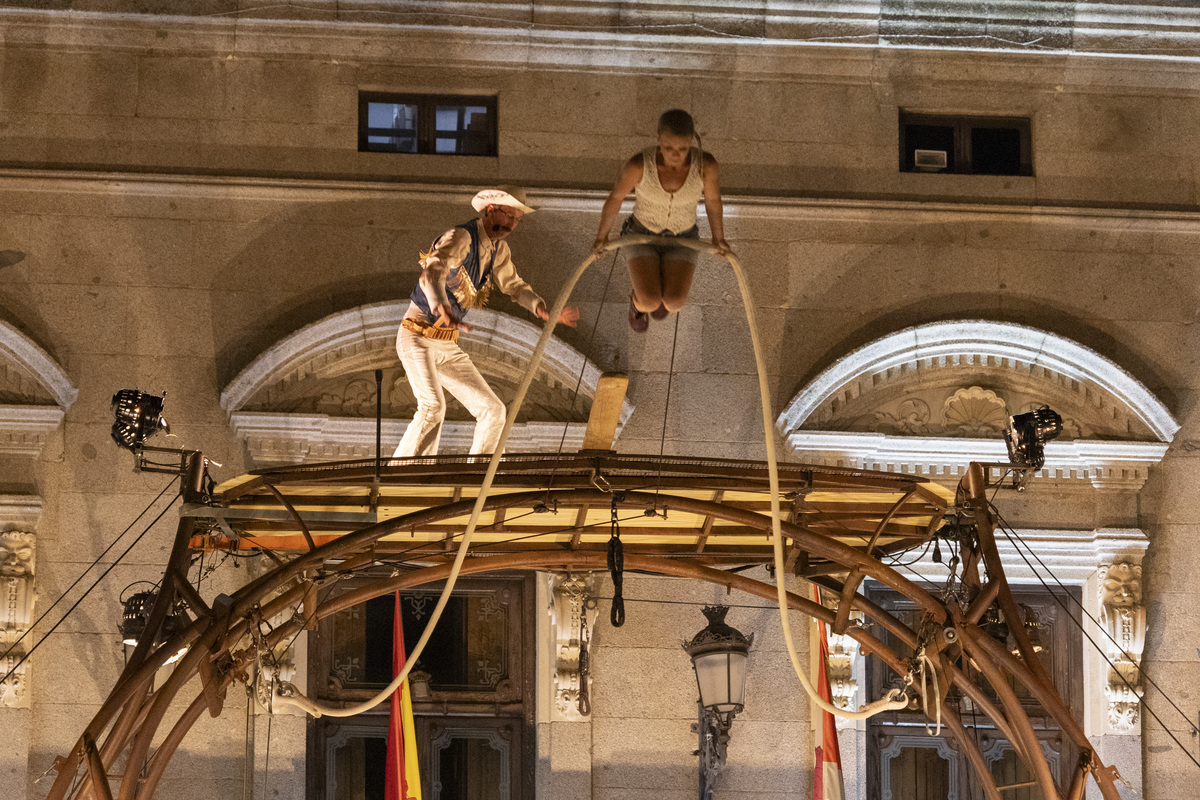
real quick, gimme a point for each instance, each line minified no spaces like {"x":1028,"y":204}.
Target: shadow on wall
{"x":314,"y":260}
{"x":318,"y":259}
{"x":1034,"y":314}
{"x":845,"y":292}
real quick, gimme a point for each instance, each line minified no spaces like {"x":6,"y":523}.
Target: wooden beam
{"x":842,"y":620}
{"x":96,"y":769}
{"x":707,"y":527}
{"x":580,"y":519}
{"x":606,"y":411}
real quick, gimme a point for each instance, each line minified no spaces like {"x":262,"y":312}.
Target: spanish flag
{"x":827,"y":777}
{"x":402,"y":781}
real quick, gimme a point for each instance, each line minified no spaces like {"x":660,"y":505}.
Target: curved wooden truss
{"x":689,"y":518}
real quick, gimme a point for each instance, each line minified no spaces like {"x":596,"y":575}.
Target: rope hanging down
{"x":616,"y":566}
{"x":585,"y":661}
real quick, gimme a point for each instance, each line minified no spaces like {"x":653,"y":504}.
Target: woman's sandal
{"x":638,"y":320}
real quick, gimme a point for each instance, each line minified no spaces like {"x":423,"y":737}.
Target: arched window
{"x":929,"y":400}
{"x":34,"y":397}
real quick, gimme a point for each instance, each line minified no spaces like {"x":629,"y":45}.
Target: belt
{"x":430,"y":331}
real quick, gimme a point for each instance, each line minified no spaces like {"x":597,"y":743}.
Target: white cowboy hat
{"x":501,"y":196}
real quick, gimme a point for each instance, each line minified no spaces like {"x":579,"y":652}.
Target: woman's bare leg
{"x":645,"y":273}
{"x":676,"y":281}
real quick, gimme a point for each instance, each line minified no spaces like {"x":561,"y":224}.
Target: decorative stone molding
{"x":18,"y":595}
{"x":840,"y":666}
{"x":25,"y":429}
{"x":19,"y":512}
{"x":1123,"y":619}
{"x":28,"y":375}
{"x":572,"y":605}
{"x":1129,"y":29}
{"x":1028,"y":360}
{"x":1068,"y":556}
{"x":929,"y":400}
{"x":311,"y":396}
{"x":34,"y":394}
{"x":275,"y":439}
{"x":1106,"y":465}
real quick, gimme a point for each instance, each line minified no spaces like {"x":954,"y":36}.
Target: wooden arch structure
{"x":689,"y":518}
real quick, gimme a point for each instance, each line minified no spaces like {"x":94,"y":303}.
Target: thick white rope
{"x":937,"y":696}
{"x":895,"y":698}
{"x":309,"y":706}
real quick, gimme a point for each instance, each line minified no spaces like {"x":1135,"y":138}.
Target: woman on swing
{"x":668,"y":180}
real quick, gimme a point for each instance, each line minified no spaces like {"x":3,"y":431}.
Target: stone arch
{"x":311,"y":395}
{"x":930,"y":398}
{"x":35,"y":393}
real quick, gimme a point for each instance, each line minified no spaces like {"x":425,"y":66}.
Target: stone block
{"x":164,"y":79}
{"x":93,"y":84}
{"x":770,"y":758}
{"x":643,"y":754}
{"x":88,"y":663}
{"x":1171,"y":561}
{"x":1170,"y":617}
{"x":663,"y":689}
{"x":14,"y":751}
{"x":570,"y":744}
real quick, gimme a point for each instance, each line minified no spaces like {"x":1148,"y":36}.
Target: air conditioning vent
{"x":929,"y":160}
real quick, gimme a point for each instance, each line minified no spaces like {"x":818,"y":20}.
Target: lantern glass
{"x":721,"y":679}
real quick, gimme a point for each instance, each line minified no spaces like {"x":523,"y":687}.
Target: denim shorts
{"x":663,"y":251}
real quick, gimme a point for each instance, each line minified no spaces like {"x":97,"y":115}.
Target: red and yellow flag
{"x":402,"y":780}
{"x":827,"y":774}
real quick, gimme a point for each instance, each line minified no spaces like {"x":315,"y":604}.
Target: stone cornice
{"x":944,"y":343}
{"x":20,"y":512}
{"x":575,"y":34}
{"x":1106,"y":465}
{"x":277,"y":439}
{"x":1071,"y":557}
{"x":24,"y":429}
{"x":588,"y":201}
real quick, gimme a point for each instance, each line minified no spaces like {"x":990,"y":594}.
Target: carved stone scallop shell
{"x":975,"y":412}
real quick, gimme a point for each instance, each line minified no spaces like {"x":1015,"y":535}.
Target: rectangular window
{"x":448,"y":125}
{"x":913,"y":765}
{"x":965,"y":145}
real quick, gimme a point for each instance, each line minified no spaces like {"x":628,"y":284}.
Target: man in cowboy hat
{"x":456,"y":275}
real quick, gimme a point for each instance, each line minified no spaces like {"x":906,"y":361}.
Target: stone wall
{"x":186,"y":192}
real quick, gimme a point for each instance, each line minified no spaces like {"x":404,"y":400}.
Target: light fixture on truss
{"x":138,"y":417}
{"x":135,"y":612}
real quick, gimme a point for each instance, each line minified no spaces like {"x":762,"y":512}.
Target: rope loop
{"x":616,"y":565}
{"x":585,"y":665}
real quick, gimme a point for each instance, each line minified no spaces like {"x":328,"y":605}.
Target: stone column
{"x":18,"y":595}
{"x":564,"y":730}
{"x":1113,"y":684}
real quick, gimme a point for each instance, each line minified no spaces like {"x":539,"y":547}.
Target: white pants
{"x":430,"y":366}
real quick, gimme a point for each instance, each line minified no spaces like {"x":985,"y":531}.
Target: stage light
{"x":1027,"y":435}
{"x":136,"y":611}
{"x":1033,"y":630}
{"x":138,"y":417}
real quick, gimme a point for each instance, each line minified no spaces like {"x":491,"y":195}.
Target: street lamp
{"x":719,"y":659}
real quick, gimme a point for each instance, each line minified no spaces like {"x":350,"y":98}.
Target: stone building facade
{"x":184,"y":207}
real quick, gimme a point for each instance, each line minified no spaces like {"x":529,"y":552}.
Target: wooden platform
{"x":713,"y":510}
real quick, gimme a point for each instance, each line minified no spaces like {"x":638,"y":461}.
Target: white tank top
{"x":660,"y":210}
